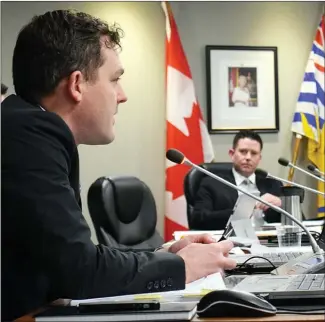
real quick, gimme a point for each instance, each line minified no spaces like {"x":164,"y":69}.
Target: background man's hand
{"x":276,"y":201}
{"x":204,"y":259}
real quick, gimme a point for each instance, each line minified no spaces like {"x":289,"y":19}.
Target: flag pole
{"x":295,"y":155}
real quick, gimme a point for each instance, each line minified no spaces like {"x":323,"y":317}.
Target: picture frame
{"x":242,"y":89}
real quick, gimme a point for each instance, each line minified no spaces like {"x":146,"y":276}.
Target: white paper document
{"x":181,"y":234}
{"x":244,"y":207}
{"x":196,"y":288}
{"x":243,"y":228}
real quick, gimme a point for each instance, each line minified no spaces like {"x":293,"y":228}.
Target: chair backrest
{"x":193,"y":180}
{"x":124,"y":213}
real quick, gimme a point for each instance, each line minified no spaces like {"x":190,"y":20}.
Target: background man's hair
{"x":54,"y":45}
{"x":249,"y":134}
{"x":4,"y":89}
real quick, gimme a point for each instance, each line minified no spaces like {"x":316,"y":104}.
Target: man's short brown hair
{"x":54,"y":45}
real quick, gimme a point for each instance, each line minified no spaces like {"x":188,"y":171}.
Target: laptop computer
{"x":276,"y":258}
{"x":285,"y":287}
{"x":288,"y":287}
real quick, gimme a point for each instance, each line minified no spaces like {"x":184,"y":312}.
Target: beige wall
{"x":140,"y":129}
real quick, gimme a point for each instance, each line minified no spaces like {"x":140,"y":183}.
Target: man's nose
{"x":121,"y":96}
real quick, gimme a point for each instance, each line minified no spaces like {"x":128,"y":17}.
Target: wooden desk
{"x":276,"y":318}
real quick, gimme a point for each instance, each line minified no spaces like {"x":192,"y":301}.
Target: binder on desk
{"x":172,"y":311}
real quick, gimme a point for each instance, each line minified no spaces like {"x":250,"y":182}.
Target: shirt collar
{"x":239,"y":178}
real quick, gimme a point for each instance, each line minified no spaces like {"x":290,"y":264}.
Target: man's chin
{"x":247,"y":171}
{"x":103,"y":140}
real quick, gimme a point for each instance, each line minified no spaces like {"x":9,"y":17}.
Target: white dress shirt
{"x":247,"y":184}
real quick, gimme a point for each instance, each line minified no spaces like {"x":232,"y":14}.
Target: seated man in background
{"x":4,"y":90}
{"x":215,"y":201}
{"x":67,"y":81}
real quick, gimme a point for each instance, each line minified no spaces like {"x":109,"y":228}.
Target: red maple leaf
{"x":190,"y":146}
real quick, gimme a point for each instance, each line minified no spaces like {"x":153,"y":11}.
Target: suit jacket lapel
{"x":260,"y":184}
{"x":233,"y":194}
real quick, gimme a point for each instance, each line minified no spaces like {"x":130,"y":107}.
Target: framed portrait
{"x":242,"y":89}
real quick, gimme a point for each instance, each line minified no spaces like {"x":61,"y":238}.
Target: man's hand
{"x":276,"y":201}
{"x":200,"y":239}
{"x":204,"y":259}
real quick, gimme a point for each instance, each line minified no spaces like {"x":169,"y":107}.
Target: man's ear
{"x":231,"y":152}
{"x":76,"y":84}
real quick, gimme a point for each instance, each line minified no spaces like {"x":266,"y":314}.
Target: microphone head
{"x":260,"y":172}
{"x":311,"y":167}
{"x":283,"y":162}
{"x":175,"y":156}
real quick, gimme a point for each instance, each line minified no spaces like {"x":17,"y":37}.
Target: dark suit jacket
{"x":47,"y":252}
{"x":214,"y":201}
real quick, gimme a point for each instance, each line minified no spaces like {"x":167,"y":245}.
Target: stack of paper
{"x":181,"y":234}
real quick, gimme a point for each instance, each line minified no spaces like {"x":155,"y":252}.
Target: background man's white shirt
{"x":247,"y":184}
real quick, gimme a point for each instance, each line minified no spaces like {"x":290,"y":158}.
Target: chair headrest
{"x":123,"y":207}
{"x":193,"y":178}
{"x":128,"y":196}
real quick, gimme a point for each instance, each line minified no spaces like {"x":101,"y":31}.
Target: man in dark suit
{"x":215,"y":201}
{"x":66,"y":73}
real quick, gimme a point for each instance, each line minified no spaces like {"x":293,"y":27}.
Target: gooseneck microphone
{"x":179,"y":158}
{"x":265,"y":174}
{"x":284,"y":162}
{"x":313,"y":169}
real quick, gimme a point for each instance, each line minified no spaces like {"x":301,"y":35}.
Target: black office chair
{"x":192,"y":183}
{"x":124,"y":213}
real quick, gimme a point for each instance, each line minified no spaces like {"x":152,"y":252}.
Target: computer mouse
{"x":221,"y":303}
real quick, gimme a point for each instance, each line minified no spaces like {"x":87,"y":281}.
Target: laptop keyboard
{"x":310,"y":282}
{"x":281,"y":257}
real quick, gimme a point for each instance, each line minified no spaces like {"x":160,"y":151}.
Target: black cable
{"x":261,"y":257}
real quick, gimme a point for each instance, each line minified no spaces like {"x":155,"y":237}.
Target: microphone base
{"x":308,"y":263}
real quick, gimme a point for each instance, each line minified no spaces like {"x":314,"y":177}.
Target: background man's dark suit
{"x":47,"y":252}
{"x":215,"y":201}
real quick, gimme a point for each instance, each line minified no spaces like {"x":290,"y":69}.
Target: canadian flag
{"x":186,"y":130}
